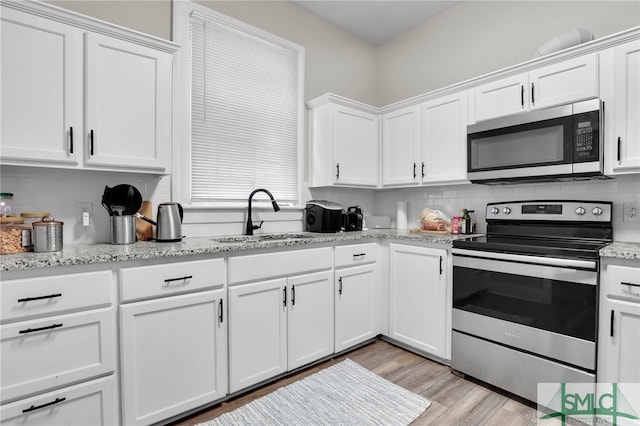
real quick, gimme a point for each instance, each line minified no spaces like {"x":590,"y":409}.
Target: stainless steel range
{"x":525,"y":296}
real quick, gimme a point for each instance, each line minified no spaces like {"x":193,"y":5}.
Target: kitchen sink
{"x":250,"y":239}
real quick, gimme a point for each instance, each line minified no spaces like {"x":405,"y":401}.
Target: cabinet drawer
{"x":164,"y":280}
{"x":32,"y":297}
{"x":45,"y":353}
{"x":623,"y":281}
{"x":356,"y":254}
{"x":287,"y":263}
{"x":90,"y":403}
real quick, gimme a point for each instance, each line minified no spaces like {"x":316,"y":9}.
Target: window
{"x":246,"y":109}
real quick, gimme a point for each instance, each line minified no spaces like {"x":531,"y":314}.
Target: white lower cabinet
{"x":90,"y":403}
{"x":173,"y":348}
{"x":418,"y":297}
{"x":278,"y":325}
{"x":619,"y":326}
{"x":356,"y":286}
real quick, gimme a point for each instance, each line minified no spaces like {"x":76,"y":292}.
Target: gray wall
{"x":478,"y":37}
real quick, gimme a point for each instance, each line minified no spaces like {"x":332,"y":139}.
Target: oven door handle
{"x":538,"y":260}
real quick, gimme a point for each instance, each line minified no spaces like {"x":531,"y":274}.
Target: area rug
{"x":343,"y":394}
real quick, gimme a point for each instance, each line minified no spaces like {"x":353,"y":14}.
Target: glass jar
{"x":15,"y":236}
{"x":7,"y":207}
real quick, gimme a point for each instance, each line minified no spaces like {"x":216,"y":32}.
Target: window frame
{"x":181,"y":146}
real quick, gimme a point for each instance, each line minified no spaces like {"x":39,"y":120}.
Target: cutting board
{"x":144,"y":230}
{"x":422,"y":231}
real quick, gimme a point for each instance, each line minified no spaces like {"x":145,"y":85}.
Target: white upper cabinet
{"x":79,"y":93}
{"x":444,"y":139}
{"x":621,"y":93}
{"x":41,"y":115}
{"x":343,"y":143}
{"x":401,"y":163}
{"x":127,"y":93}
{"x":568,"y":81}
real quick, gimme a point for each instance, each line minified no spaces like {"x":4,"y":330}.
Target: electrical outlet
{"x":631,"y":212}
{"x":82,"y":208}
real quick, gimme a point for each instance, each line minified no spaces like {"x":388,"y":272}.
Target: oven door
{"x":544,"y":306}
{"x":529,"y":145}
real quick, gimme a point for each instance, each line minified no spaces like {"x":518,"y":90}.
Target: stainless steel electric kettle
{"x":169,"y":222}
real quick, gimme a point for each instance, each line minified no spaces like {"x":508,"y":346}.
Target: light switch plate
{"x":631,"y":212}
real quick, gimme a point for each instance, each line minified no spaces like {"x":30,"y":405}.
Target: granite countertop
{"x":621,"y":250}
{"x":84,"y":254}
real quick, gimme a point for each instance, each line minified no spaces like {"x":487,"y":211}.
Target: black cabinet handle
{"x":186,"y":277}
{"x":359,"y":254}
{"x":221,"y":312}
{"x":414,"y":170}
{"x":441,"y":270}
{"x":522,"y":95}
{"x":340,"y":286}
{"x":37,"y":407}
{"x":619,"y":146}
{"x":71,"y":140}
{"x":30,"y":299}
{"x":293,"y":295}
{"x":91,"y":142}
{"x":423,"y":169}
{"x":284,"y":297}
{"x":33,"y":330}
{"x":611,"y":324}
{"x":337,"y":171}
{"x":533,"y":90}
{"x":631,"y":284}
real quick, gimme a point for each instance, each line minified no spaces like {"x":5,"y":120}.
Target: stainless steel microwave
{"x":559,"y":143}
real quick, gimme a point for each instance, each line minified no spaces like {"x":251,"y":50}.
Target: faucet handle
{"x":258,"y":226}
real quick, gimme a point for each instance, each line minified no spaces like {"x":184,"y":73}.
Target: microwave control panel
{"x":586,"y":130}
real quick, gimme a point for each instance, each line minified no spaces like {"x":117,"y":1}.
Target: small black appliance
{"x":353,"y":219}
{"x":323,"y":216}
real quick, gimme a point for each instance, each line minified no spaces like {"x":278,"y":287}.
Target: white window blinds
{"x":246,"y":112}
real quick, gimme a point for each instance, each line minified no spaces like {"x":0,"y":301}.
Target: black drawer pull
{"x":359,"y":254}
{"x":31,"y":299}
{"x":33,"y":330}
{"x":293,"y":295}
{"x":187,"y":277}
{"x":631,"y":284}
{"x":34,"y":407}
{"x":284,"y":297}
{"x":220,"y":311}
{"x":340,"y":287}
{"x":441,"y":270}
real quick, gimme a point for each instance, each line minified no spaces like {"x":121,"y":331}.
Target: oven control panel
{"x":556,"y":210}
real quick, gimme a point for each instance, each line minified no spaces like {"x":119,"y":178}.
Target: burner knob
{"x":596,"y":211}
{"x":580,"y":211}
{"x":506,"y":210}
{"x":495,"y":210}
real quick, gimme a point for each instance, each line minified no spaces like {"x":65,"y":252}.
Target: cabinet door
{"x":41,"y":102}
{"x":619,"y":343}
{"x":89,"y":403}
{"x":173,"y":355}
{"x":417,"y":293}
{"x":128,"y":105}
{"x":565,"y":82}
{"x":503,"y":97}
{"x":401,"y":147}
{"x":355,"y":147}
{"x":444,"y":139}
{"x":257,"y":332}
{"x":355,"y":307}
{"x":625,"y":137}
{"x":310,"y":318}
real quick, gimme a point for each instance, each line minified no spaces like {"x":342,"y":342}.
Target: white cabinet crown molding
{"x":88,"y":23}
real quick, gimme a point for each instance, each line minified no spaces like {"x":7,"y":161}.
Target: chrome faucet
{"x":250,"y":225}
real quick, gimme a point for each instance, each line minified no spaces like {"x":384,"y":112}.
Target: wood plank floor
{"x":454,"y":400}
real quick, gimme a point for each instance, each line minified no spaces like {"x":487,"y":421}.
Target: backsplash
{"x":451,"y":199}
{"x":60,"y":191}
